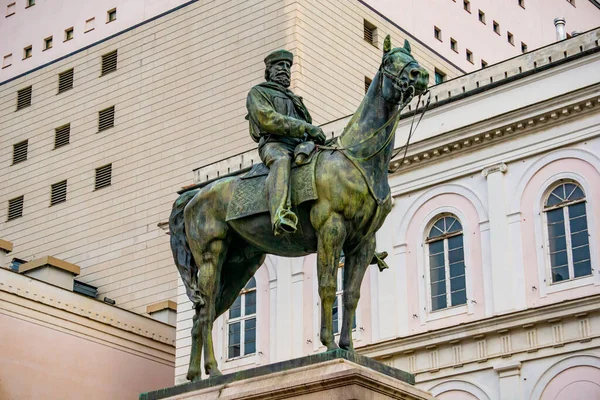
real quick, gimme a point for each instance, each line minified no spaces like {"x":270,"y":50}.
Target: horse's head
{"x":402,"y":76}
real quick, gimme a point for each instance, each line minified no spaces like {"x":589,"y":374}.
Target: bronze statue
{"x":221,"y":232}
{"x":279,"y":122}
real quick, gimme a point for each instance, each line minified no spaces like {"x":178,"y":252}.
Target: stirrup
{"x":285,"y":222}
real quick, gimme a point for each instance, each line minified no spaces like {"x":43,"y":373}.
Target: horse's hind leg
{"x":355,"y":266}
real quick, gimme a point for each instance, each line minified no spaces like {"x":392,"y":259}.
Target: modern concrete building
{"x":97,"y":143}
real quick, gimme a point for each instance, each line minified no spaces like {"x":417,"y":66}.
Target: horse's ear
{"x":407,"y":46}
{"x":387,"y":44}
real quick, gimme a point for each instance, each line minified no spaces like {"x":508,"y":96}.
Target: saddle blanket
{"x":250,"y":192}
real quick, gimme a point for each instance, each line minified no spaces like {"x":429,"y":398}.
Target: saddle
{"x":250,"y":191}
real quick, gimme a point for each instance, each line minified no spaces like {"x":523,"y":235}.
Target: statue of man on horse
{"x":222,"y":230}
{"x":279,"y":122}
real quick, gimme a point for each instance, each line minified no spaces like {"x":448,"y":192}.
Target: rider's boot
{"x":278,"y":186}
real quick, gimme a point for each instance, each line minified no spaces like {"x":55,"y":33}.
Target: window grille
{"x":24,"y":98}
{"x":103,"y":176}
{"x":447,"y":281}
{"x":106,"y":119}
{"x":62,"y":136}
{"x":58,"y":193}
{"x":338,"y":317}
{"x":367,"y":84}
{"x":241,"y":324}
{"x":109,"y":62}
{"x":15,"y":208}
{"x":369,"y":32}
{"x":20,"y":151}
{"x":65,"y":81}
{"x":567,"y":230}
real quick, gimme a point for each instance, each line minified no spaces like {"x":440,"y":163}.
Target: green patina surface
{"x":279,"y":367}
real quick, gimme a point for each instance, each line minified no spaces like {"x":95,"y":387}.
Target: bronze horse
{"x":216,"y":257}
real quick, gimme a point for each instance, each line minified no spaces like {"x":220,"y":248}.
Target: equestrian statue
{"x":307,"y":196}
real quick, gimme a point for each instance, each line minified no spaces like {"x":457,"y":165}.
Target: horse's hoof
{"x":347,"y":347}
{"x":332,"y":346}
{"x":193,"y":375}
{"x":213,"y":372}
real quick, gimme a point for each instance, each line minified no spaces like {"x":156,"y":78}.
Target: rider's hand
{"x":316,"y":134}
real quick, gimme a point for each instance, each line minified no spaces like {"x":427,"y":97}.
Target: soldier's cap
{"x":279,"y":55}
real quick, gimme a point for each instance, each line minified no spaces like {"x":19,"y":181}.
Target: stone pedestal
{"x":335,"y":375}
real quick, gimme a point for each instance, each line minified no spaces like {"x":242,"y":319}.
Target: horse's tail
{"x":182,"y":254}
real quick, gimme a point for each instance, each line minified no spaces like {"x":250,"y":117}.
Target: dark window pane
{"x":234,"y":340}
{"x":577,"y":210}
{"x":558,"y":244}
{"x":581,"y":254}
{"x":250,"y":336}
{"x":455,"y":242}
{"x":235,"y":310}
{"x":438,"y":288}
{"x":578,"y":224}
{"x":569,"y":188}
{"x":438,"y":228}
{"x":459,"y":297}
{"x":453,"y":225}
{"x":583,"y":268}
{"x":553,"y":199}
{"x":456,"y":255}
{"x":579,"y":239}
{"x":577,"y":194}
{"x":436,"y":247}
{"x":354,"y":322}
{"x":437,"y":274}
{"x":436,"y":260}
{"x":438,"y":302}
{"x":560,"y":274}
{"x":234,"y":351}
{"x":249,"y":348}
{"x":457,"y":283}
{"x":555,"y":230}
{"x":251,"y":283}
{"x":335,"y":315}
{"x":457,"y":269}
{"x":250,"y":299}
{"x":558,"y":259}
{"x":555,"y":215}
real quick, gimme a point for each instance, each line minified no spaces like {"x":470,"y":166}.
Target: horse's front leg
{"x":355,"y":266}
{"x":331,"y":234}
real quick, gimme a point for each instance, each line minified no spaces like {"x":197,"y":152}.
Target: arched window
{"x":241,"y":324}
{"x":339,"y":299}
{"x":568,"y":242}
{"x":446,"y":263}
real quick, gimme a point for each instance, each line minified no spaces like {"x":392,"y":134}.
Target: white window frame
{"x":241,"y":319}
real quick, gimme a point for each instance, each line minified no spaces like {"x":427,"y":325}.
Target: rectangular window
{"x":510,"y":38}
{"x":7,"y":61}
{"x":24,"y":98}
{"x":522,"y":3}
{"x":109,"y":63}
{"x":68,"y":34}
{"x":20,"y":151}
{"x":30,"y":3}
{"x":523,"y":48}
{"x":106,"y":119}
{"x":369,"y":32}
{"x":58,"y":193}
{"x":437,"y":33}
{"x":467,"y":5}
{"x":454,"y":45}
{"x":339,"y":298}
{"x":65,"y":81}
{"x":483,"y":64}
{"x":27,"y":52}
{"x":10,"y":9}
{"x":481,"y":17}
{"x":89,"y":25}
{"x":367,"y":84}
{"x":111,"y":15}
{"x":469,"y":55}
{"x":48,"y":43}
{"x":439,"y":76}
{"x":496,"y":27}
{"x":241,"y":330}
{"x":62,"y":136}
{"x":103,"y":176}
{"x":15,"y":208}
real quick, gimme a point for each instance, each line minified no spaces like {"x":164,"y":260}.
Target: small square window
{"x":10,"y":9}
{"x":453,"y":45}
{"x":467,"y":5}
{"x":523,"y":48}
{"x":111,"y":15}
{"x":496,"y":27}
{"x":483,"y":64}
{"x":27,"y":52}
{"x":89,"y":25}
{"x":522,"y":3}
{"x":15,"y":208}
{"x":7,"y":61}
{"x":48,"y":43}
{"x":369,"y":32}
{"x":510,"y":38}
{"x":481,"y":17}
{"x":437,"y":33}
{"x":469,"y":55}
{"x":68,"y":34}
{"x":439,"y":76}
{"x":30,"y":3}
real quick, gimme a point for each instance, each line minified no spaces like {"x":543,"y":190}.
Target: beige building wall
{"x":179,"y":95}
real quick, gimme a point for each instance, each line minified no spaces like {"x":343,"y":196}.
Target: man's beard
{"x":282,"y":79}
